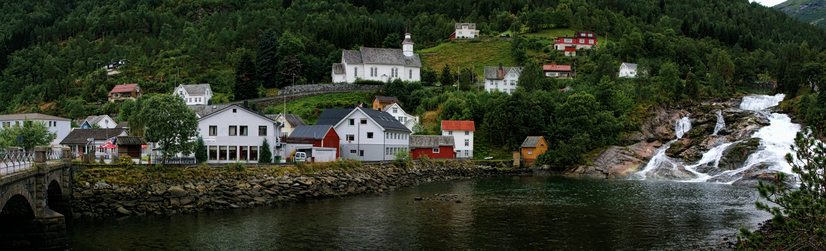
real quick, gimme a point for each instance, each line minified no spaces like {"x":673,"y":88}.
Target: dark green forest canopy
{"x":52,"y":51}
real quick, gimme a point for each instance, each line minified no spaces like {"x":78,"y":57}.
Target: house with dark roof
{"x":380,"y":102}
{"x":235,"y":133}
{"x":125,"y":91}
{"x":102,"y":121}
{"x":57,"y":125}
{"x":199,"y":94}
{"x":554,"y":70}
{"x":462,"y":132}
{"x":315,"y":136}
{"x":532,"y":147}
{"x":432,"y":146}
{"x":290,"y":122}
{"x":78,"y":140}
{"x":367,"y":134}
{"x":503,"y":79}
{"x":405,"y":118}
{"x":380,"y":64}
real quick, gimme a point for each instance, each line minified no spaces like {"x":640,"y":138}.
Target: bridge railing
{"x":15,"y":161}
{"x":181,"y":160}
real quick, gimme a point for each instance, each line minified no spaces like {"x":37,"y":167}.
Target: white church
{"x":379,"y":64}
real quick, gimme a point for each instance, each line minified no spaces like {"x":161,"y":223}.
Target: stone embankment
{"x":216,"y":193}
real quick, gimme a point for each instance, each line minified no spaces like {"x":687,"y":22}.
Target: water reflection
{"x":495,"y":213}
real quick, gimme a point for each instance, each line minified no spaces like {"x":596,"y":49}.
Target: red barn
{"x":317,"y":135}
{"x":432,"y":146}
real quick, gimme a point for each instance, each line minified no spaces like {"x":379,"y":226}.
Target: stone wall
{"x":104,"y":200}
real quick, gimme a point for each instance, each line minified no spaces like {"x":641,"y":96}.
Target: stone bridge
{"x":33,"y":204}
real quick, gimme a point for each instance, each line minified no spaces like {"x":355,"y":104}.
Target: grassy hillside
{"x":310,"y":108}
{"x":466,"y":54}
{"x":548,"y":36}
{"x":807,"y":11}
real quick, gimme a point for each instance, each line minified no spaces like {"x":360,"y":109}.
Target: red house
{"x":432,"y":146}
{"x":580,"y":40}
{"x":317,"y":135}
{"x":125,"y":91}
{"x":554,"y":70}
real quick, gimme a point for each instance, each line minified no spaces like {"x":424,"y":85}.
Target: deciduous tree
{"x":169,"y":123}
{"x":33,"y":133}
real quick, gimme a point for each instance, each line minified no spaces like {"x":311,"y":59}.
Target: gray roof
{"x":469,"y":25}
{"x":338,"y":68}
{"x":492,"y":72}
{"x":198,"y":89}
{"x":380,"y":56}
{"x":129,"y":141}
{"x":122,"y":124}
{"x":30,"y":116}
{"x":215,"y":110}
{"x":204,"y":110}
{"x":531,"y":141}
{"x":384,"y":119}
{"x":430,"y":141}
{"x":316,"y":132}
{"x":79,"y":136}
{"x":386,"y":99}
{"x":293,"y":119}
{"x":94,"y":119}
{"x":630,"y":66}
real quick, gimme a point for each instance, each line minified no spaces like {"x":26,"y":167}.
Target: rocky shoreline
{"x":99,"y":199}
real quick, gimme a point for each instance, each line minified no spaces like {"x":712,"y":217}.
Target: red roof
{"x":124,"y":88}
{"x":555,"y":67}
{"x":458,"y":125}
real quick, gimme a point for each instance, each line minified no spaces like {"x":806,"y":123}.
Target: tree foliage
{"x":34,"y":133}
{"x":169,"y":123}
{"x":200,"y":150}
{"x":266,"y":153}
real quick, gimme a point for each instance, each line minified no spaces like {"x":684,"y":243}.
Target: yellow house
{"x":532,"y":147}
{"x":381,"y":101}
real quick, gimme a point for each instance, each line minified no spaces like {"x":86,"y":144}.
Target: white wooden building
{"x":628,"y":70}
{"x":235,"y":134}
{"x":57,"y":125}
{"x":405,"y":118}
{"x":503,"y":79}
{"x":462,"y":132}
{"x":102,"y":121}
{"x":379,"y":64}
{"x":465,"y":30}
{"x":199,"y":94}
{"x":367,"y":134}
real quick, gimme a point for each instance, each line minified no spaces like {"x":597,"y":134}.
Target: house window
{"x":351,"y":121}
{"x":513,"y":82}
{"x":213,"y":153}
{"x":395,"y":110}
{"x":363,"y":121}
{"x":356,"y":71}
{"x":449,"y":132}
{"x":467,"y":132}
{"x":369,"y":135}
{"x":234,"y":110}
{"x":411,"y":74}
{"x":581,"y":41}
{"x":233,"y":130}
{"x":350,"y":137}
{"x":467,"y":142}
{"x":512,"y":90}
{"x":568,"y":40}
{"x":244,"y":152}
{"x":213,"y":130}
{"x":233,"y":152}
{"x":436,"y":150}
{"x":466,"y":153}
{"x":530,"y":152}
{"x":244,"y":131}
{"x":590,"y":41}
{"x":460,"y":32}
{"x":223,"y":153}
{"x":253,"y":152}
{"x":353,"y":151}
{"x":361,"y":153}
{"x":262,"y":130}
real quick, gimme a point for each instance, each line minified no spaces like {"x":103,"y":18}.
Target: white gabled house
{"x":379,"y":64}
{"x":628,"y":70}
{"x":103,"y":121}
{"x":503,"y":79}
{"x":235,"y":134}
{"x":465,"y":30}
{"x":367,"y":134}
{"x":199,"y":94}
{"x":405,"y":118}
{"x":462,"y":132}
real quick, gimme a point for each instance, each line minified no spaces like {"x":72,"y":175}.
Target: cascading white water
{"x":775,"y":140}
{"x":721,"y":123}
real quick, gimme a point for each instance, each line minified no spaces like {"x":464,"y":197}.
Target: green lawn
{"x":310,"y":108}
{"x":466,"y":54}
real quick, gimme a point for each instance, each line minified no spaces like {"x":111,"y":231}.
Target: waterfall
{"x":775,"y":140}
{"x":721,"y":123}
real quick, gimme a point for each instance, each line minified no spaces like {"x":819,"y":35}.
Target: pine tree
{"x":266,"y":154}
{"x":245,"y":82}
{"x":446,"y":78}
{"x":200,"y":150}
{"x":267,"y":59}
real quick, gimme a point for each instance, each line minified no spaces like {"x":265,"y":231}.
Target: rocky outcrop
{"x":99,"y":199}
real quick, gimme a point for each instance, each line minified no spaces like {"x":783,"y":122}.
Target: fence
{"x":181,"y":160}
{"x":17,"y":161}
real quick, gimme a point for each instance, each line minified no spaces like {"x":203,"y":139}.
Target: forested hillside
{"x":808,"y":11}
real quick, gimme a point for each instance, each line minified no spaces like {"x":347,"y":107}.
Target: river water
{"x":495,"y":213}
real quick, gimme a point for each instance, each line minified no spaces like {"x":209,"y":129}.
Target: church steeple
{"x":407,"y":45}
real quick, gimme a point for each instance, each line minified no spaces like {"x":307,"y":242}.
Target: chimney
{"x":252,"y":107}
{"x":246,"y":104}
{"x":501,"y":71}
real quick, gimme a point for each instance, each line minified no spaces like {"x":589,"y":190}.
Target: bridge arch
{"x":20,"y":194}
{"x":17,"y":207}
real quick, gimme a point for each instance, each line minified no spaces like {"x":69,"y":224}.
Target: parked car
{"x":300,"y":157}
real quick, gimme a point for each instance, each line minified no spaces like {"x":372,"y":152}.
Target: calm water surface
{"x":496,"y":213}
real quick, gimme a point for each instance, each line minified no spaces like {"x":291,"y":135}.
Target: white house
{"x":465,"y":30}
{"x":60,"y":126}
{"x":379,"y":64}
{"x":236,"y":134}
{"x":628,"y":70}
{"x":367,"y":134}
{"x":102,"y":121}
{"x":503,"y":79}
{"x":405,"y":118}
{"x":199,"y":94}
{"x":462,"y":132}
{"x":290,"y":122}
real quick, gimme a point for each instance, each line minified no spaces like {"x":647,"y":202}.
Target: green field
{"x":310,"y":108}
{"x":551,"y":34}
{"x":467,"y":54}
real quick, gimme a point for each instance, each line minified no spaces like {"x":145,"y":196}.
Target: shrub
{"x":799,"y":221}
{"x":125,"y":161}
{"x":402,"y":158}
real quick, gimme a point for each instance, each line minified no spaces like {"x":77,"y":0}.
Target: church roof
{"x":384,"y":56}
{"x":338,"y":68}
{"x":198,"y":89}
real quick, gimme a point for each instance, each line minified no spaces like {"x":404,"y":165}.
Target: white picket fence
{"x":17,"y":161}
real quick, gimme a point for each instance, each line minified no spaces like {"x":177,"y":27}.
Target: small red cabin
{"x":317,"y":135}
{"x":432,"y":146}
